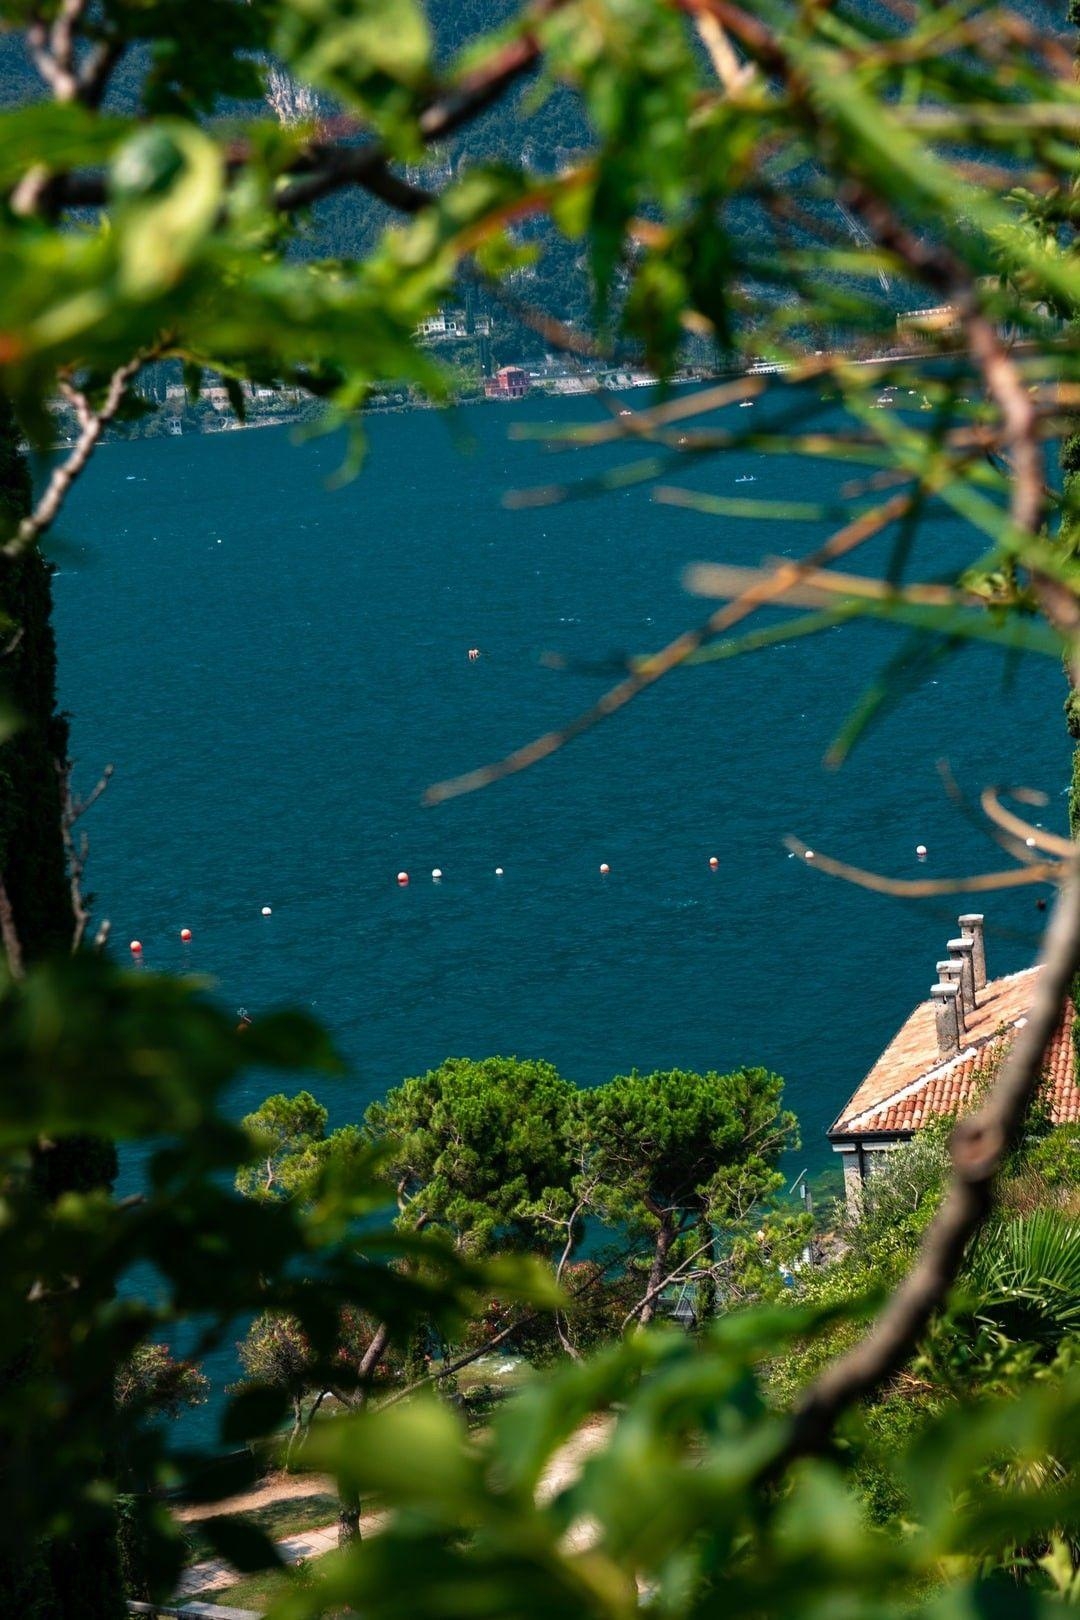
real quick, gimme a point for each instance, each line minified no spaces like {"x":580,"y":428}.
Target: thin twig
{"x":1031,"y":836}
{"x":652,"y":669}
{"x":658,"y":1288}
{"x":733,"y":74}
{"x":920,"y":888}
{"x":70,"y":811}
{"x":92,"y":423}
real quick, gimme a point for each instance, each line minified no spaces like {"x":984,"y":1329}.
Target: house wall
{"x":859,"y":1160}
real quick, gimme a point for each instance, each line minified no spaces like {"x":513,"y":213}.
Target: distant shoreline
{"x":215,"y":421}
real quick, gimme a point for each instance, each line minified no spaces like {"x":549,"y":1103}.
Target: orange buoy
{"x":403,"y":879}
{"x":713,"y":862}
{"x":185,"y":934}
{"x":136,"y":947}
{"x":604,"y":868}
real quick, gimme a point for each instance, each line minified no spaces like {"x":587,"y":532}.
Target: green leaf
{"x":416,"y":1453}
{"x":241,"y":1543}
{"x":253,"y":1412}
{"x":169,"y":184}
{"x":58,"y":137}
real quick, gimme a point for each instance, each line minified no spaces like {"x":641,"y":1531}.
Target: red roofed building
{"x":945,"y":1054}
{"x":509,"y":382}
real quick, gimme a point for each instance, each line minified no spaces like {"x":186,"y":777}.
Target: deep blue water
{"x":277,"y":669}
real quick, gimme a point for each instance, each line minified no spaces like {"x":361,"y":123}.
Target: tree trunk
{"x":82,"y":1568}
{"x":665,"y":1237}
{"x":32,"y":861}
{"x":348,"y":1526}
{"x":706,"y":1293}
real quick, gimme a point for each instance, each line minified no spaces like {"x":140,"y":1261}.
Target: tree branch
{"x":658,"y":1288}
{"x":93,"y":423}
{"x":9,"y":934}
{"x":369,"y":166}
{"x":52,"y":50}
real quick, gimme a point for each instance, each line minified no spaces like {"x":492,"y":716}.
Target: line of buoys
{"x":436,"y":877}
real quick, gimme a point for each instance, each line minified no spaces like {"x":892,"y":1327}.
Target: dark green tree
{"x":674,"y":1152}
{"x":290,"y":1137}
{"x":482,"y":1149}
{"x":291,"y":1155}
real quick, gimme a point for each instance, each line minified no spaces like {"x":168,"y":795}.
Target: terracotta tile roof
{"x":909,"y":1085}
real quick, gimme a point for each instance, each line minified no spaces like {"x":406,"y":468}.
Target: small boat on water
{"x":746,"y":404}
{"x":747,"y":478}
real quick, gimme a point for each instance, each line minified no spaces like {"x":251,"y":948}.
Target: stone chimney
{"x":945,"y":998}
{"x":952,"y":972}
{"x":963,"y":950}
{"x":971,"y":926}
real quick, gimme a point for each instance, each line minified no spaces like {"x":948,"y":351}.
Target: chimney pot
{"x":972,"y":927}
{"x":952,"y":972}
{"x":945,"y":998}
{"x":963,"y":950}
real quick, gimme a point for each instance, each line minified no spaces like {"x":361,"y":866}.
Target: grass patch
{"x":255,"y":1592}
{"x":278,"y":1519}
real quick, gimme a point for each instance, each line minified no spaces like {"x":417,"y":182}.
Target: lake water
{"x":277,"y":669}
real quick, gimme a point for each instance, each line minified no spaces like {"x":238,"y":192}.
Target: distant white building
{"x":451,"y":326}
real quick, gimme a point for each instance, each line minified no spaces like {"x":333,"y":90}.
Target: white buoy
{"x":809,"y":854}
{"x":403,"y":880}
{"x":436,"y":874}
{"x":1030,"y":842}
{"x":713,"y":862}
{"x":498,"y":871}
{"x":604,"y":868}
{"x":266,"y":911}
{"x":920,"y":850}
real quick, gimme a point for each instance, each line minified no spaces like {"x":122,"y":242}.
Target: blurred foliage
{"x":87,"y":1049}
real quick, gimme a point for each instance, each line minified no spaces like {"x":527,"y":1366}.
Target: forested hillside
{"x":532,"y":127}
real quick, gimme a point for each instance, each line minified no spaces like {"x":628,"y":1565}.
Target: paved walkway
{"x":214,"y":1573}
